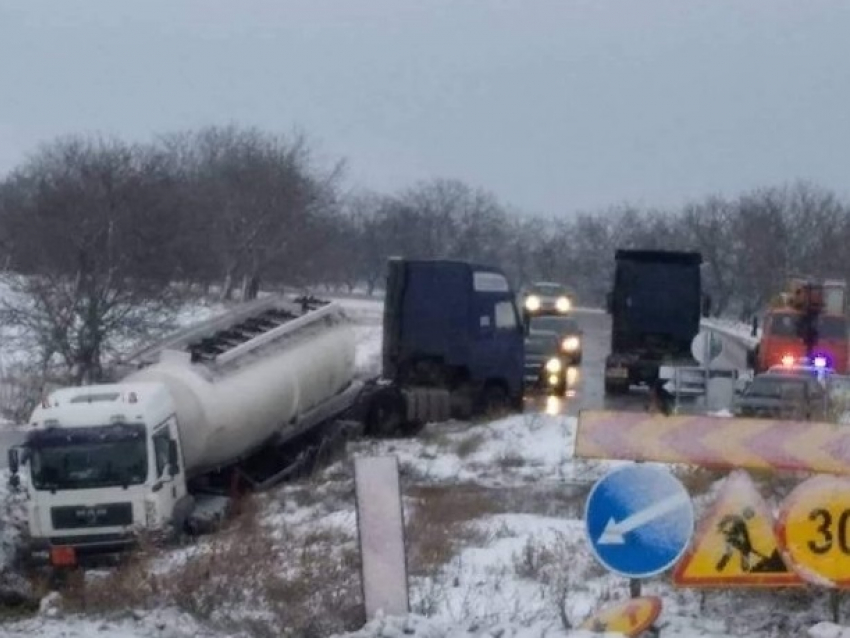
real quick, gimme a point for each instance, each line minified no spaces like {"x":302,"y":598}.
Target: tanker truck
{"x":249,"y":394}
{"x":103,"y":461}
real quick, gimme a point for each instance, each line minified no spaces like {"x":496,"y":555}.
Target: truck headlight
{"x":553,"y":366}
{"x":553,"y":379}
{"x":532,"y":303}
{"x":563,"y":304}
{"x":570,"y":344}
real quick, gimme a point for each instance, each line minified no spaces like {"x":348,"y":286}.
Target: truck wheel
{"x":494,"y":400}
{"x":387,"y":414}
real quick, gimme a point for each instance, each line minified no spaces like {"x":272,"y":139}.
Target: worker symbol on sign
{"x":736,"y":544}
{"x":736,"y":535}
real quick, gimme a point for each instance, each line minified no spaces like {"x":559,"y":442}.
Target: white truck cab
{"x":100,"y":463}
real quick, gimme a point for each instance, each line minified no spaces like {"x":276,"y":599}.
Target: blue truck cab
{"x":453,"y":338}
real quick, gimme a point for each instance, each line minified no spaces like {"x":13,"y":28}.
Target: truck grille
{"x":80,"y":516}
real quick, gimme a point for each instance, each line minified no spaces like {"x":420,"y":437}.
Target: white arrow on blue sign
{"x":639,"y":520}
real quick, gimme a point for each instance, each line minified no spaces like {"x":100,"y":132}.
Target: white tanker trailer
{"x":102,"y":462}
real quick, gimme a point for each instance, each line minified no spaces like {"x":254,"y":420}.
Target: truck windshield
{"x":88,"y":457}
{"x":785,"y":325}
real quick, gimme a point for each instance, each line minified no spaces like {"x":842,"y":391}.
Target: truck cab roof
{"x":91,"y":405}
{"x":659,"y":256}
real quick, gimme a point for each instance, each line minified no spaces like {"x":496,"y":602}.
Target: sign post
{"x":380,"y":527}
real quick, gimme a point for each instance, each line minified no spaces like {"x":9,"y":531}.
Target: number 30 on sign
{"x":814,"y":529}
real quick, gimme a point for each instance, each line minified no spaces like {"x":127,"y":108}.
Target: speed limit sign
{"x":814,"y":530}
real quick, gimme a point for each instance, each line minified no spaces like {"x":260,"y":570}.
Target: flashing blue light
{"x":820,"y":362}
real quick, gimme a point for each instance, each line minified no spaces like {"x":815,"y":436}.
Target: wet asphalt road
{"x":586,"y":382}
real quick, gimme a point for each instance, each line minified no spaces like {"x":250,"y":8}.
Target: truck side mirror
{"x":14,"y":460}
{"x":706,"y":306}
{"x":173,"y":459}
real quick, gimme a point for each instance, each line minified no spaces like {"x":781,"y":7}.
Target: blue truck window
{"x":489,"y":282}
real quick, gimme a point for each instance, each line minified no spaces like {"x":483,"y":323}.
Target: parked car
{"x":545,"y":363}
{"x":783,"y":396}
{"x":546,"y":298}
{"x":815,"y":372}
{"x":568,"y":331}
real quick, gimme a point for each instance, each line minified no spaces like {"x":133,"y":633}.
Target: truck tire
{"x":387,"y":414}
{"x":615,"y":387}
{"x":495,"y":401}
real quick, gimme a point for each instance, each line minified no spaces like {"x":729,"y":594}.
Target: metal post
{"x":634,"y":587}
{"x":835,"y":605}
{"x":676,"y":388}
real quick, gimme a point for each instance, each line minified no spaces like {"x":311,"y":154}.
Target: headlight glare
{"x":563,"y":304}
{"x":570,"y":344}
{"x":553,"y":366}
{"x":532,"y":303}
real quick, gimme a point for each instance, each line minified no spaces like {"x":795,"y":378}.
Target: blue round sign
{"x":639,"y":520}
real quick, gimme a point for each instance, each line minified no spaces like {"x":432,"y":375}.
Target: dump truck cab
{"x":452,"y":333}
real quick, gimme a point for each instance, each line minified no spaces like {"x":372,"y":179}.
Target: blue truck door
{"x":497,"y":331}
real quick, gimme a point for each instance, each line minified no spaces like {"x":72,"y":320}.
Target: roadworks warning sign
{"x":735,"y":544}
{"x":630,"y":617}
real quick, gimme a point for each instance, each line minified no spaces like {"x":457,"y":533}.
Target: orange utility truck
{"x":807,"y":323}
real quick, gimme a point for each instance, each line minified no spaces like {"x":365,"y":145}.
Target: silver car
{"x":546,"y":298}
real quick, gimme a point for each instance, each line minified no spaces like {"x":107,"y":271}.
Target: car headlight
{"x":571,"y":344}
{"x":532,"y":303}
{"x":553,"y":366}
{"x":553,"y":379}
{"x":563,"y":304}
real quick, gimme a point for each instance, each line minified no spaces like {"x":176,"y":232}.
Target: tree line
{"x":102,"y":239}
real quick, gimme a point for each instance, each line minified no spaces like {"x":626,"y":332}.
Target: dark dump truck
{"x":453,"y":339}
{"x":655,"y":307}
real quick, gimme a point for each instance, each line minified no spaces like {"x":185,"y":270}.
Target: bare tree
{"x":92,"y":222}
{"x":255,"y":201}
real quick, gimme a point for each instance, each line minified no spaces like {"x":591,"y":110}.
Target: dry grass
{"x":439,"y":524}
{"x":242,"y":579}
{"x":511,"y":459}
{"x":470,"y":444}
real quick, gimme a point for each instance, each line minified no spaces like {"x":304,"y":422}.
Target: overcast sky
{"x":554,"y":105}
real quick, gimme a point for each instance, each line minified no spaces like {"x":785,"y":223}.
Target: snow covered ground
{"x":495,"y":540}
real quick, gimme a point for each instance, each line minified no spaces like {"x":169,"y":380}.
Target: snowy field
{"x":495,"y":544}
